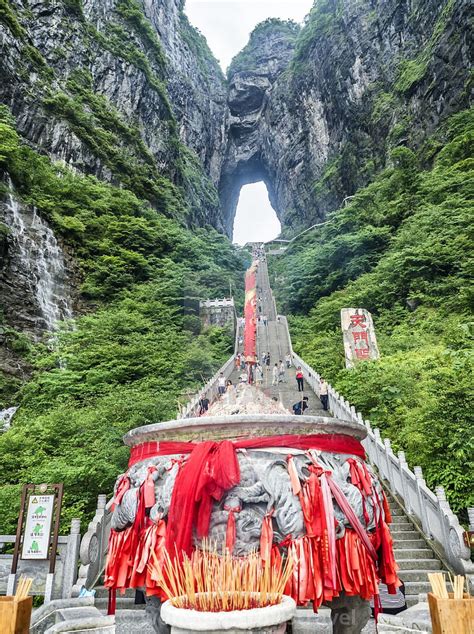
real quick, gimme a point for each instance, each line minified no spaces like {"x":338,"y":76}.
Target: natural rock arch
{"x":252,"y":76}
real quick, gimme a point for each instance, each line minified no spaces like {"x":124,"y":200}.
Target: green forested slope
{"x":402,"y":249}
{"x":132,"y":357}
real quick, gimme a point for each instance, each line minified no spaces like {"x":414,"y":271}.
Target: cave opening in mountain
{"x":255,"y":219}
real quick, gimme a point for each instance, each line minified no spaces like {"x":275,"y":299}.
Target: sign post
{"x":38,"y":530}
{"x":360,"y":343}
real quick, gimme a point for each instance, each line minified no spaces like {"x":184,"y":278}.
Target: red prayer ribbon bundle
{"x":324,"y":566}
{"x":250,"y":313}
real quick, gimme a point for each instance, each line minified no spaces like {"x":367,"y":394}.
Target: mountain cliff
{"x":358,"y":80}
{"x":127,"y":91}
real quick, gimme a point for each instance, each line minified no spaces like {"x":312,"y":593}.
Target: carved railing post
{"x":72,"y":559}
{"x":405,"y":490}
{"x":470,"y":514}
{"x":420,"y":481}
{"x":94,"y":546}
{"x":388,"y":453}
{"x":377,"y":449}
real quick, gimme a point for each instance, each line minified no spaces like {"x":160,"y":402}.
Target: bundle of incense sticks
{"x":210,"y":581}
{"x":23,"y":588}
{"x":439,"y":587}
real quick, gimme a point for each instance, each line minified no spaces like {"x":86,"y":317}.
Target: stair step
{"x":101,"y":592}
{"x":415,"y":575}
{"x":399,"y":519}
{"x":417,"y":587}
{"x":133,"y":622}
{"x":411,"y":600}
{"x":413,"y":553}
{"x":418,"y":564}
{"x":400,"y":535}
{"x":403,"y":526}
{"x":394,"y":531}
{"x":396,"y":510}
{"x":123,"y":603}
{"x":406,"y":544}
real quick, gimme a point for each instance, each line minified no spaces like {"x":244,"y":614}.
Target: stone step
{"x":417,"y":587}
{"x":101,"y":592}
{"x":399,"y":519}
{"x":411,"y":599}
{"x":123,"y":603}
{"x":405,"y":534}
{"x":400,"y":544}
{"x":416,"y":575}
{"x":133,"y":622}
{"x":418,"y":564}
{"x":413,"y":553}
{"x":402,"y":526}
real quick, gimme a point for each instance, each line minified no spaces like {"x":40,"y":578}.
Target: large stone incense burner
{"x":296,"y":493}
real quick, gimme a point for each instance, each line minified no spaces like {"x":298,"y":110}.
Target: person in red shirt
{"x":299,"y":379}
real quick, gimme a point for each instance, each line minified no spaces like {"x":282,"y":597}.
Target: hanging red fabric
{"x":211,"y":470}
{"x":335,"y":443}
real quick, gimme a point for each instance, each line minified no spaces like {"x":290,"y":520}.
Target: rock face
{"x":316,"y":115}
{"x":127,"y":90}
{"x":33,"y":273}
{"x":118,"y":77}
{"x":252,"y":76}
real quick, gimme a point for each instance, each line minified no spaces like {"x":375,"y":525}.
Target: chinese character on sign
{"x":360,"y":343}
{"x":358,"y":320}
{"x":361,"y":336}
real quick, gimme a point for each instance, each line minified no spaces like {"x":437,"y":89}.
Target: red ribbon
{"x":211,"y":470}
{"x":334,"y":443}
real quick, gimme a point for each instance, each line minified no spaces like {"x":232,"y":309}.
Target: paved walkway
{"x":272,"y":337}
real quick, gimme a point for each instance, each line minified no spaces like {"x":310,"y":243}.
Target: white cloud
{"x":227,"y":24}
{"x":255,"y":220}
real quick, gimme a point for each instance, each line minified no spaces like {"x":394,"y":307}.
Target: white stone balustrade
{"x":94,"y":546}
{"x":191,"y":410}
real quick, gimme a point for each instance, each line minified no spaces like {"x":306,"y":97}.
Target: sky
{"x":255,"y":220}
{"x":227,"y":25}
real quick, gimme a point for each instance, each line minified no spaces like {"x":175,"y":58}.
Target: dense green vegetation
{"x":402,"y":249}
{"x":131,"y":361}
{"x":246,"y":60}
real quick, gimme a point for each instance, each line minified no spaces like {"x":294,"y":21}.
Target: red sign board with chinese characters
{"x":358,"y":331}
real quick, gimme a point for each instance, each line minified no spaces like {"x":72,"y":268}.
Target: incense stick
{"x":210,"y":581}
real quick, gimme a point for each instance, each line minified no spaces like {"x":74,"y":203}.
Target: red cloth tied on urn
{"x":211,"y":470}
{"x":325,"y":565}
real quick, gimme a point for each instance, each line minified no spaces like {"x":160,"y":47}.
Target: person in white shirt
{"x":221,"y":384}
{"x":281,"y":372}
{"x":230,"y":392}
{"x":243,"y":377}
{"x":276,"y":374}
{"x":288,"y":360}
{"x":323,"y":394}
{"x":259,"y":374}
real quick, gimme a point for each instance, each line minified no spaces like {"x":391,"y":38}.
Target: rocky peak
{"x":251,"y":77}
{"x":315,"y":113}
